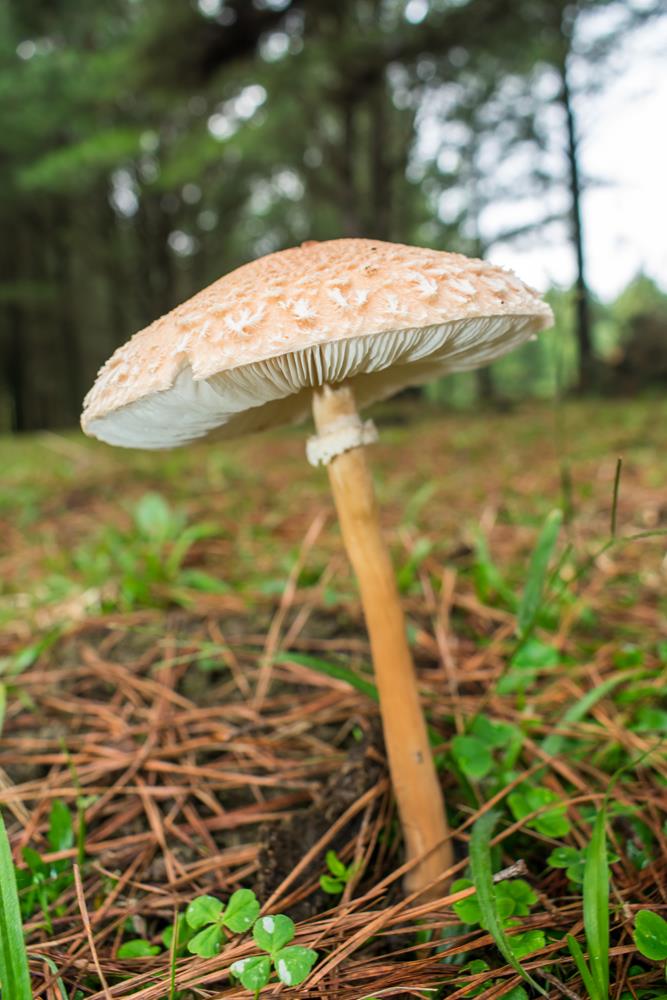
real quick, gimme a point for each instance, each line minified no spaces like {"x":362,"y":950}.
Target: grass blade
{"x":64,"y":995}
{"x":596,"y":904}
{"x":531,"y":598}
{"x":341,"y":673}
{"x":14,"y":971}
{"x":614,"y":499}
{"x":482,"y":876}
{"x":580,"y":962}
{"x":553,"y":743}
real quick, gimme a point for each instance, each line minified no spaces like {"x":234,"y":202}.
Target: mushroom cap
{"x":245,"y":353}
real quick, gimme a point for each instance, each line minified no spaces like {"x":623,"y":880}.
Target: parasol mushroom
{"x":333,"y":325}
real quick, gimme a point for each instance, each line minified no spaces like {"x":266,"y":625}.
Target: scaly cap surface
{"x":245,"y":352}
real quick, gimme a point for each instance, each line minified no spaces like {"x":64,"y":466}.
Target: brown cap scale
{"x":330,"y":326}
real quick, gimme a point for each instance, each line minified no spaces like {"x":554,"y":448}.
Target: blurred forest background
{"x":149,"y":146}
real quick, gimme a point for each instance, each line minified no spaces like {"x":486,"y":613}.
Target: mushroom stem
{"x":415,"y":782}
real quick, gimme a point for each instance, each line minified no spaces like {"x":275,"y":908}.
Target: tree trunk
{"x":380,"y":170}
{"x":583,"y":328}
{"x":15,"y":369}
{"x":67,"y":404}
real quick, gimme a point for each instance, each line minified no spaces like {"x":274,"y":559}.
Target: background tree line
{"x":148,"y":146}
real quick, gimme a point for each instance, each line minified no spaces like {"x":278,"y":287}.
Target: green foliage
{"x":351,"y":677}
{"x":571,"y":859}
{"x":41,"y":883}
{"x":14,"y":665}
{"x":595,"y":973}
{"x":144,"y":565}
{"x":489,"y":907}
{"x":291,"y":964}
{"x":67,"y":168}
{"x":533,"y":594}
{"x":650,"y":935}
{"x":407,"y":575}
{"x":14,"y":971}
{"x":488,"y":749}
{"x":208,"y":917}
{"x":531,"y":660}
{"x":339,"y":874}
{"x":138,"y":948}
{"x":512,"y":899}
{"x":201,"y":930}
{"x":529,"y":798}
{"x":478,"y":965}
{"x":489,"y":582}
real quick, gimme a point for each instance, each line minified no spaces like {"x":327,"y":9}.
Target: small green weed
{"x":209,"y":917}
{"x":144,"y":565}
{"x":488,"y":748}
{"x":514,"y":898}
{"x":339,"y":874}
{"x":42,"y":883}
{"x":533,"y":593}
{"x":291,"y":964}
{"x":329,"y":669}
{"x":529,"y":798}
{"x":138,"y":948}
{"x":202,"y":931}
{"x":477,"y":966}
{"x":407,"y":575}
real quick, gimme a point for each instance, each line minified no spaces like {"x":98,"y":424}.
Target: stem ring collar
{"x":342,"y":434}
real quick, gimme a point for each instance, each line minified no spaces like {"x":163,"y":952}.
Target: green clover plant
{"x":208,"y":916}
{"x":272,"y":934}
{"x":514,"y":899}
{"x":528,"y":798}
{"x":488,"y":748}
{"x":477,"y":966}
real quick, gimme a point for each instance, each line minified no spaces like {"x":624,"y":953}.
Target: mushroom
{"x":332,"y":325}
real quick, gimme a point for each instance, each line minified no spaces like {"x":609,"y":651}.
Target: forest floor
{"x":188,"y":707}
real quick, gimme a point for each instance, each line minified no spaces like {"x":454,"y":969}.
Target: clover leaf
{"x":138,"y":948}
{"x":241,"y":911}
{"x":650,"y":935}
{"x":208,"y":942}
{"x":272,"y":933}
{"x":528,"y":799}
{"x":526,"y":944}
{"x":203,"y":910}
{"x":293,"y":964}
{"x":209,"y":916}
{"x":514,"y":898}
{"x":472,"y":756}
{"x":467,"y":910}
{"x":521,"y":895}
{"x":254,"y":972}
